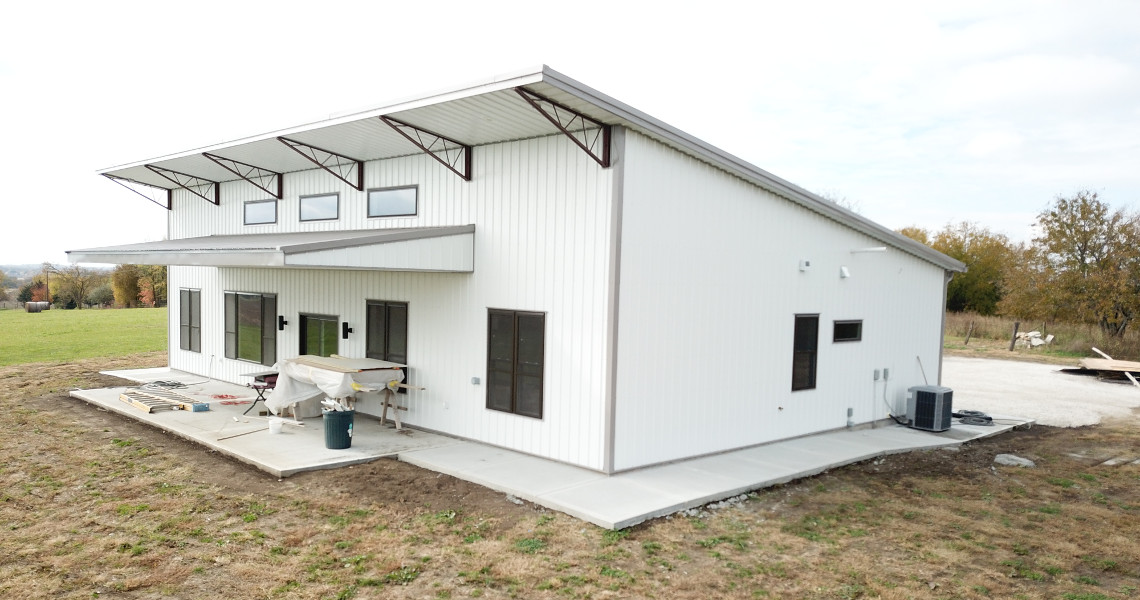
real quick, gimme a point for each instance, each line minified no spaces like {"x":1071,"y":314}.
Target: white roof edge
{"x":752,"y":173}
{"x":493,"y":84}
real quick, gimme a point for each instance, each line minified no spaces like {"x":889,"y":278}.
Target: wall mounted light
{"x":281,"y":322}
{"x":844,"y":273}
{"x":344,"y":331}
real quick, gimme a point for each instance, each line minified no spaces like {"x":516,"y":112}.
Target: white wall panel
{"x":541,"y":209}
{"x":710,"y":287}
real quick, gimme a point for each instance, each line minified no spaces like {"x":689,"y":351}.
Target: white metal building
{"x":568,"y":277}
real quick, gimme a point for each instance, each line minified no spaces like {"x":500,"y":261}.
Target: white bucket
{"x":275,"y":424}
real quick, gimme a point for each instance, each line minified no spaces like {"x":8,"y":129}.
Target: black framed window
{"x":319,"y":335}
{"x":516,"y":347}
{"x":805,"y":352}
{"x":259,"y":212}
{"x":325,"y":207}
{"x":387,"y":325}
{"x":847,"y":331}
{"x":392,"y":202}
{"x":190,"y":319}
{"x":250,"y":327}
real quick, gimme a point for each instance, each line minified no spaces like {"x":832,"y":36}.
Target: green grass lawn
{"x":64,"y":335}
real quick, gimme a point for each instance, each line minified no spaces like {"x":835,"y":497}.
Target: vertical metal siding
{"x":542,"y":214}
{"x":710,"y":286}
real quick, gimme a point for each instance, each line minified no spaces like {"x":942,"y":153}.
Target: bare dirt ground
{"x":94,"y":505}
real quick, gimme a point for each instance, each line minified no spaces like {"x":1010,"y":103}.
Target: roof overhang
{"x":447,"y":125}
{"x":431,"y":249}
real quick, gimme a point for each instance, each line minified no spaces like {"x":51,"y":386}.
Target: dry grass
{"x":94,"y":505}
{"x":991,"y":335}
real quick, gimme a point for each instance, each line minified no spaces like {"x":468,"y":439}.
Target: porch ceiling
{"x":444,"y":249}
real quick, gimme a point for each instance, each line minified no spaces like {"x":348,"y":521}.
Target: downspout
{"x":942,"y":329}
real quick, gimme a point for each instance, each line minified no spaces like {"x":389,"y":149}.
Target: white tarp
{"x":305,"y":385}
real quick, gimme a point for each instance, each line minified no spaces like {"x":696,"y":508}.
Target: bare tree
{"x":75,"y":281}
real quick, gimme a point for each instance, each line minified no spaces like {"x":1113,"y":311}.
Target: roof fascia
{"x":749,"y":172}
{"x":243,"y":258}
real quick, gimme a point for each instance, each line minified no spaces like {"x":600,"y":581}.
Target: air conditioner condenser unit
{"x":929,"y":407}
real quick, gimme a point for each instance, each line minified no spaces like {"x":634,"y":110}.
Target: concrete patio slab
{"x":612,"y":501}
{"x":299,"y":447}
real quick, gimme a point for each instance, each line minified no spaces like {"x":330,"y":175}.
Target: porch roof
{"x":445,"y":249}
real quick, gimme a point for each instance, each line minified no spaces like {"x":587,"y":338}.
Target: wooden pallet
{"x":151,"y":400}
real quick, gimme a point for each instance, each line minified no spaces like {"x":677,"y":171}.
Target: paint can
{"x":275,"y":424}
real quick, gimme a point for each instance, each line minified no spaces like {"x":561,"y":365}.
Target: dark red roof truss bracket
{"x":591,"y":136}
{"x":203,"y":188}
{"x":454,"y":155}
{"x":344,"y":168}
{"x":134,"y":186}
{"x":263,"y":179}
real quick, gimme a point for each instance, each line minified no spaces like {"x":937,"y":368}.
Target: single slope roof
{"x":485,"y":112}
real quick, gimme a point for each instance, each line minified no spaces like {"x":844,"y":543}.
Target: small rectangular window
{"x":319,"y":335}
{"x":325,"y":207}
{"x":392,"y":202}
{"x":260,"y":212}
{"x":848,"y":331}
{"x":804,"y":352}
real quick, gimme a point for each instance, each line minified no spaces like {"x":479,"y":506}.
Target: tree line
{"x":75,"y":286}
{"x":1082,"y":266}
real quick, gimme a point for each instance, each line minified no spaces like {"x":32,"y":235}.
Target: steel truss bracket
{"x":590,"y":135}
{"x":456,"y":156}
{"x":203,"y":188}
{"x":338,"y":165}
{"x":263,"y":179}
{"x":132,"y":185}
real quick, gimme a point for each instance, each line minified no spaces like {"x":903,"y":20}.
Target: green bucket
{"x":338,"y":429}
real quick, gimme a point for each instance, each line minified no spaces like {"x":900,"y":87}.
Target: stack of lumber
{"x":150,"y":400}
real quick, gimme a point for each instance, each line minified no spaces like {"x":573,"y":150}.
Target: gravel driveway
{"x":1036,"y":391}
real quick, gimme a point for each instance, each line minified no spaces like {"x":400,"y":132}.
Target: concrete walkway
{"x":625,"y":499}
{"x":614,"y":502}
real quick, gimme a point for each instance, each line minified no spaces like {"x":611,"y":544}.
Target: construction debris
{"x":149,"y":399}
{"x":1108,"y":368}
{"x":1033,"y":339}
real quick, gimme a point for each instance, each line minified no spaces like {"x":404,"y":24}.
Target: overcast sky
{"x":915,"y":113}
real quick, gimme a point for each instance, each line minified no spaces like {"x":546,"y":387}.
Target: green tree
{"x":152,"y":284}
{"x":916,"y":233}
{"x":25,"y":293}
{"x":74,"y":283}
{"x":102,"y":295}
{"x":1084,"y":266}
{"x":125,"y":285}
{"x":985,"y":255}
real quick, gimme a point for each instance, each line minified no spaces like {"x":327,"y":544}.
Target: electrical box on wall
{"x":805,"y":264}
